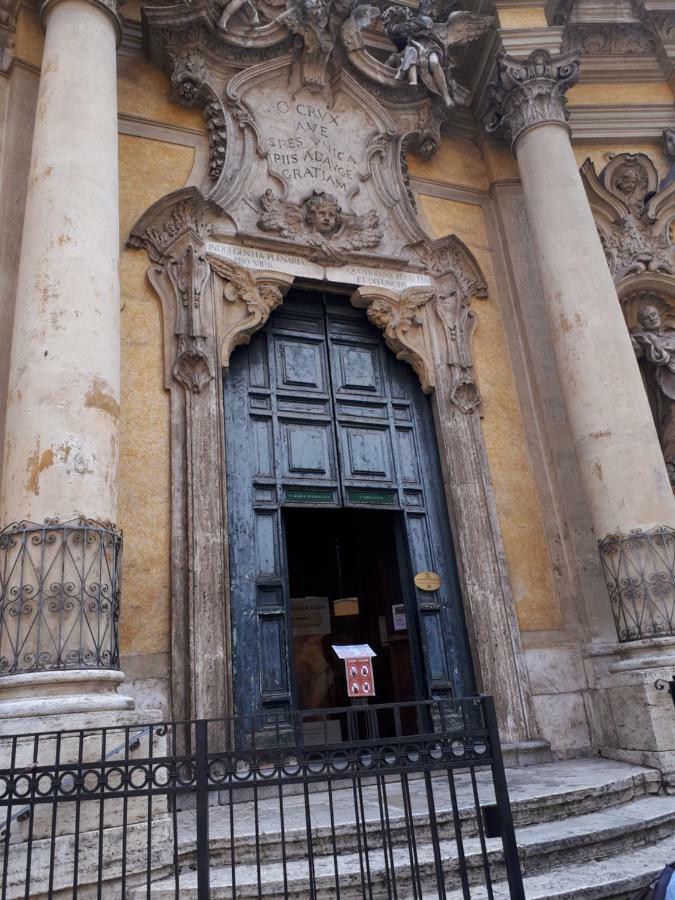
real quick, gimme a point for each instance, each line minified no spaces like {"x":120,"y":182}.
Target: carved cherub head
{"x":313,"y":10}
{"x":627,"y":180}
{"x":322,"y":212}
{"x":649,"y":317}
{"x":630,"y":182}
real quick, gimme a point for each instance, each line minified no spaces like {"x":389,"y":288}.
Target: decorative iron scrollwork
{"x":640,"y":572}
{"x":59,"y":596}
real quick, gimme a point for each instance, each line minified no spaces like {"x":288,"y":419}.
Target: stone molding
{"x":531,"y":92}
{"x":620,"y":122}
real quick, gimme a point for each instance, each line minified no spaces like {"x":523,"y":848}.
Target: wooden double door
{"x":319,"y":414}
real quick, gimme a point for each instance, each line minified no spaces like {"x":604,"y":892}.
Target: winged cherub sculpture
{"x":424,"y":47}
{"x":319,"y":219}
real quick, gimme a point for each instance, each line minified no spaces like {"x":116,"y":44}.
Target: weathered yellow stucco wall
{"x":29,"y":37}
{"x":459,"y":163}
{"x":148,"y":170}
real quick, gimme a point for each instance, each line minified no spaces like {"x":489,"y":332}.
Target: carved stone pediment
{"x":216,"y":294}
{"x":407,"y":58}
{"x":307,"y":177}
{"x":634,"y":214}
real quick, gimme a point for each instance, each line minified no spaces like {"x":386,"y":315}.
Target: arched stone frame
{"x":210,"y":305}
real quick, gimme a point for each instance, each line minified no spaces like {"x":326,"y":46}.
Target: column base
{"x":644,"y":717}
{"x":58,"y":693}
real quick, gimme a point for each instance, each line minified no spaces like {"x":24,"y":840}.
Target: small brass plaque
{"x":428,"y":581}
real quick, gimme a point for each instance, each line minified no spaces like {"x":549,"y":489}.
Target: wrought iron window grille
{"x":639,"y":570}
{"x":59,"y":596}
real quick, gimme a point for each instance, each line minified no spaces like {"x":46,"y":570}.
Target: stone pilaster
{"x":618,"y":453}
{"x":59,"y":566}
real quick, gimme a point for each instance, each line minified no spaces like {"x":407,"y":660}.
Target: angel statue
{"x":232,"y":7}
{"x":422,"y":45}
{"x":320,"y":220}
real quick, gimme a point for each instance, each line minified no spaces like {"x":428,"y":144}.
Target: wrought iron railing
{"x":395,"y":800}
{"x":640,"y":573}
{"x":59,"y":596}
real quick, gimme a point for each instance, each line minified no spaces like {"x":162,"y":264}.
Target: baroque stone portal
{"x":308,"y":132}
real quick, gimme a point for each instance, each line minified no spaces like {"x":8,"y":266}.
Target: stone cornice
{"x":622,"y":51}
{"x":621,"y":122}
{"x":531,"y":92}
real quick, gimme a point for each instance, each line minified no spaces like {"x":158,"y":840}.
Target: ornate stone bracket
{"x":460,"y":281}
{"x":530,"y":92}
{"x":403,"y":320}
{"x":249,"y":298}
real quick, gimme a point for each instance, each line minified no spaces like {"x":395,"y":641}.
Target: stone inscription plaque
{"x":291,"y":264}
{"x":310,"y":145}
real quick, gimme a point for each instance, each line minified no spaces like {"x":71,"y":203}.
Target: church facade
{"x":326,"y":323}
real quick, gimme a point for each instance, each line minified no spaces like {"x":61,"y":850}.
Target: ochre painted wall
{"x":148,"y":170}
{"x":460,"y":163}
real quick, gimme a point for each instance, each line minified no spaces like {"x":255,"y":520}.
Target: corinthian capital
{"x":530,"y":92}
{"x":111,"y":7}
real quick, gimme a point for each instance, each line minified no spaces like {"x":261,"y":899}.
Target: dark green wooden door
{"x":319,"y":412}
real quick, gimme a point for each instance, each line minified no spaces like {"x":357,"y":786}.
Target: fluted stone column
{"x":58,"y":584}
{"x":617,"y":448}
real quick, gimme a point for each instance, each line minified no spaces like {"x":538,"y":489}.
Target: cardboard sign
{"x":310,"y":615}
{"x":358,"y":669}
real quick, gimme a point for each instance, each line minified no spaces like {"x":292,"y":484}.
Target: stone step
{"x":616,"y":877}
{"x":538,"y":794}
{"x":564,"y":844}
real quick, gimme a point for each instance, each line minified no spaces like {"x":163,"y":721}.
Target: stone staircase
{"x":585,"y":829}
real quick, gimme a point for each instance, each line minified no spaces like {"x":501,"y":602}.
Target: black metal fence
{"x":403,"y":800}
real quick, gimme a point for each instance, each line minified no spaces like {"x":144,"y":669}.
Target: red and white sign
{"x":360,"y":682}
{"x":358,"y":669}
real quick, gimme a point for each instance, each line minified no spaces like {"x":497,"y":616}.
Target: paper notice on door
{"x":310,"y":615}
{"x":398,"y":615}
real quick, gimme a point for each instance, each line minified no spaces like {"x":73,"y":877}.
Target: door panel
{"x":319,"y":412}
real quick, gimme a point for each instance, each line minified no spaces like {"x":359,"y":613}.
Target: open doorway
{"x":347,"y":587}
